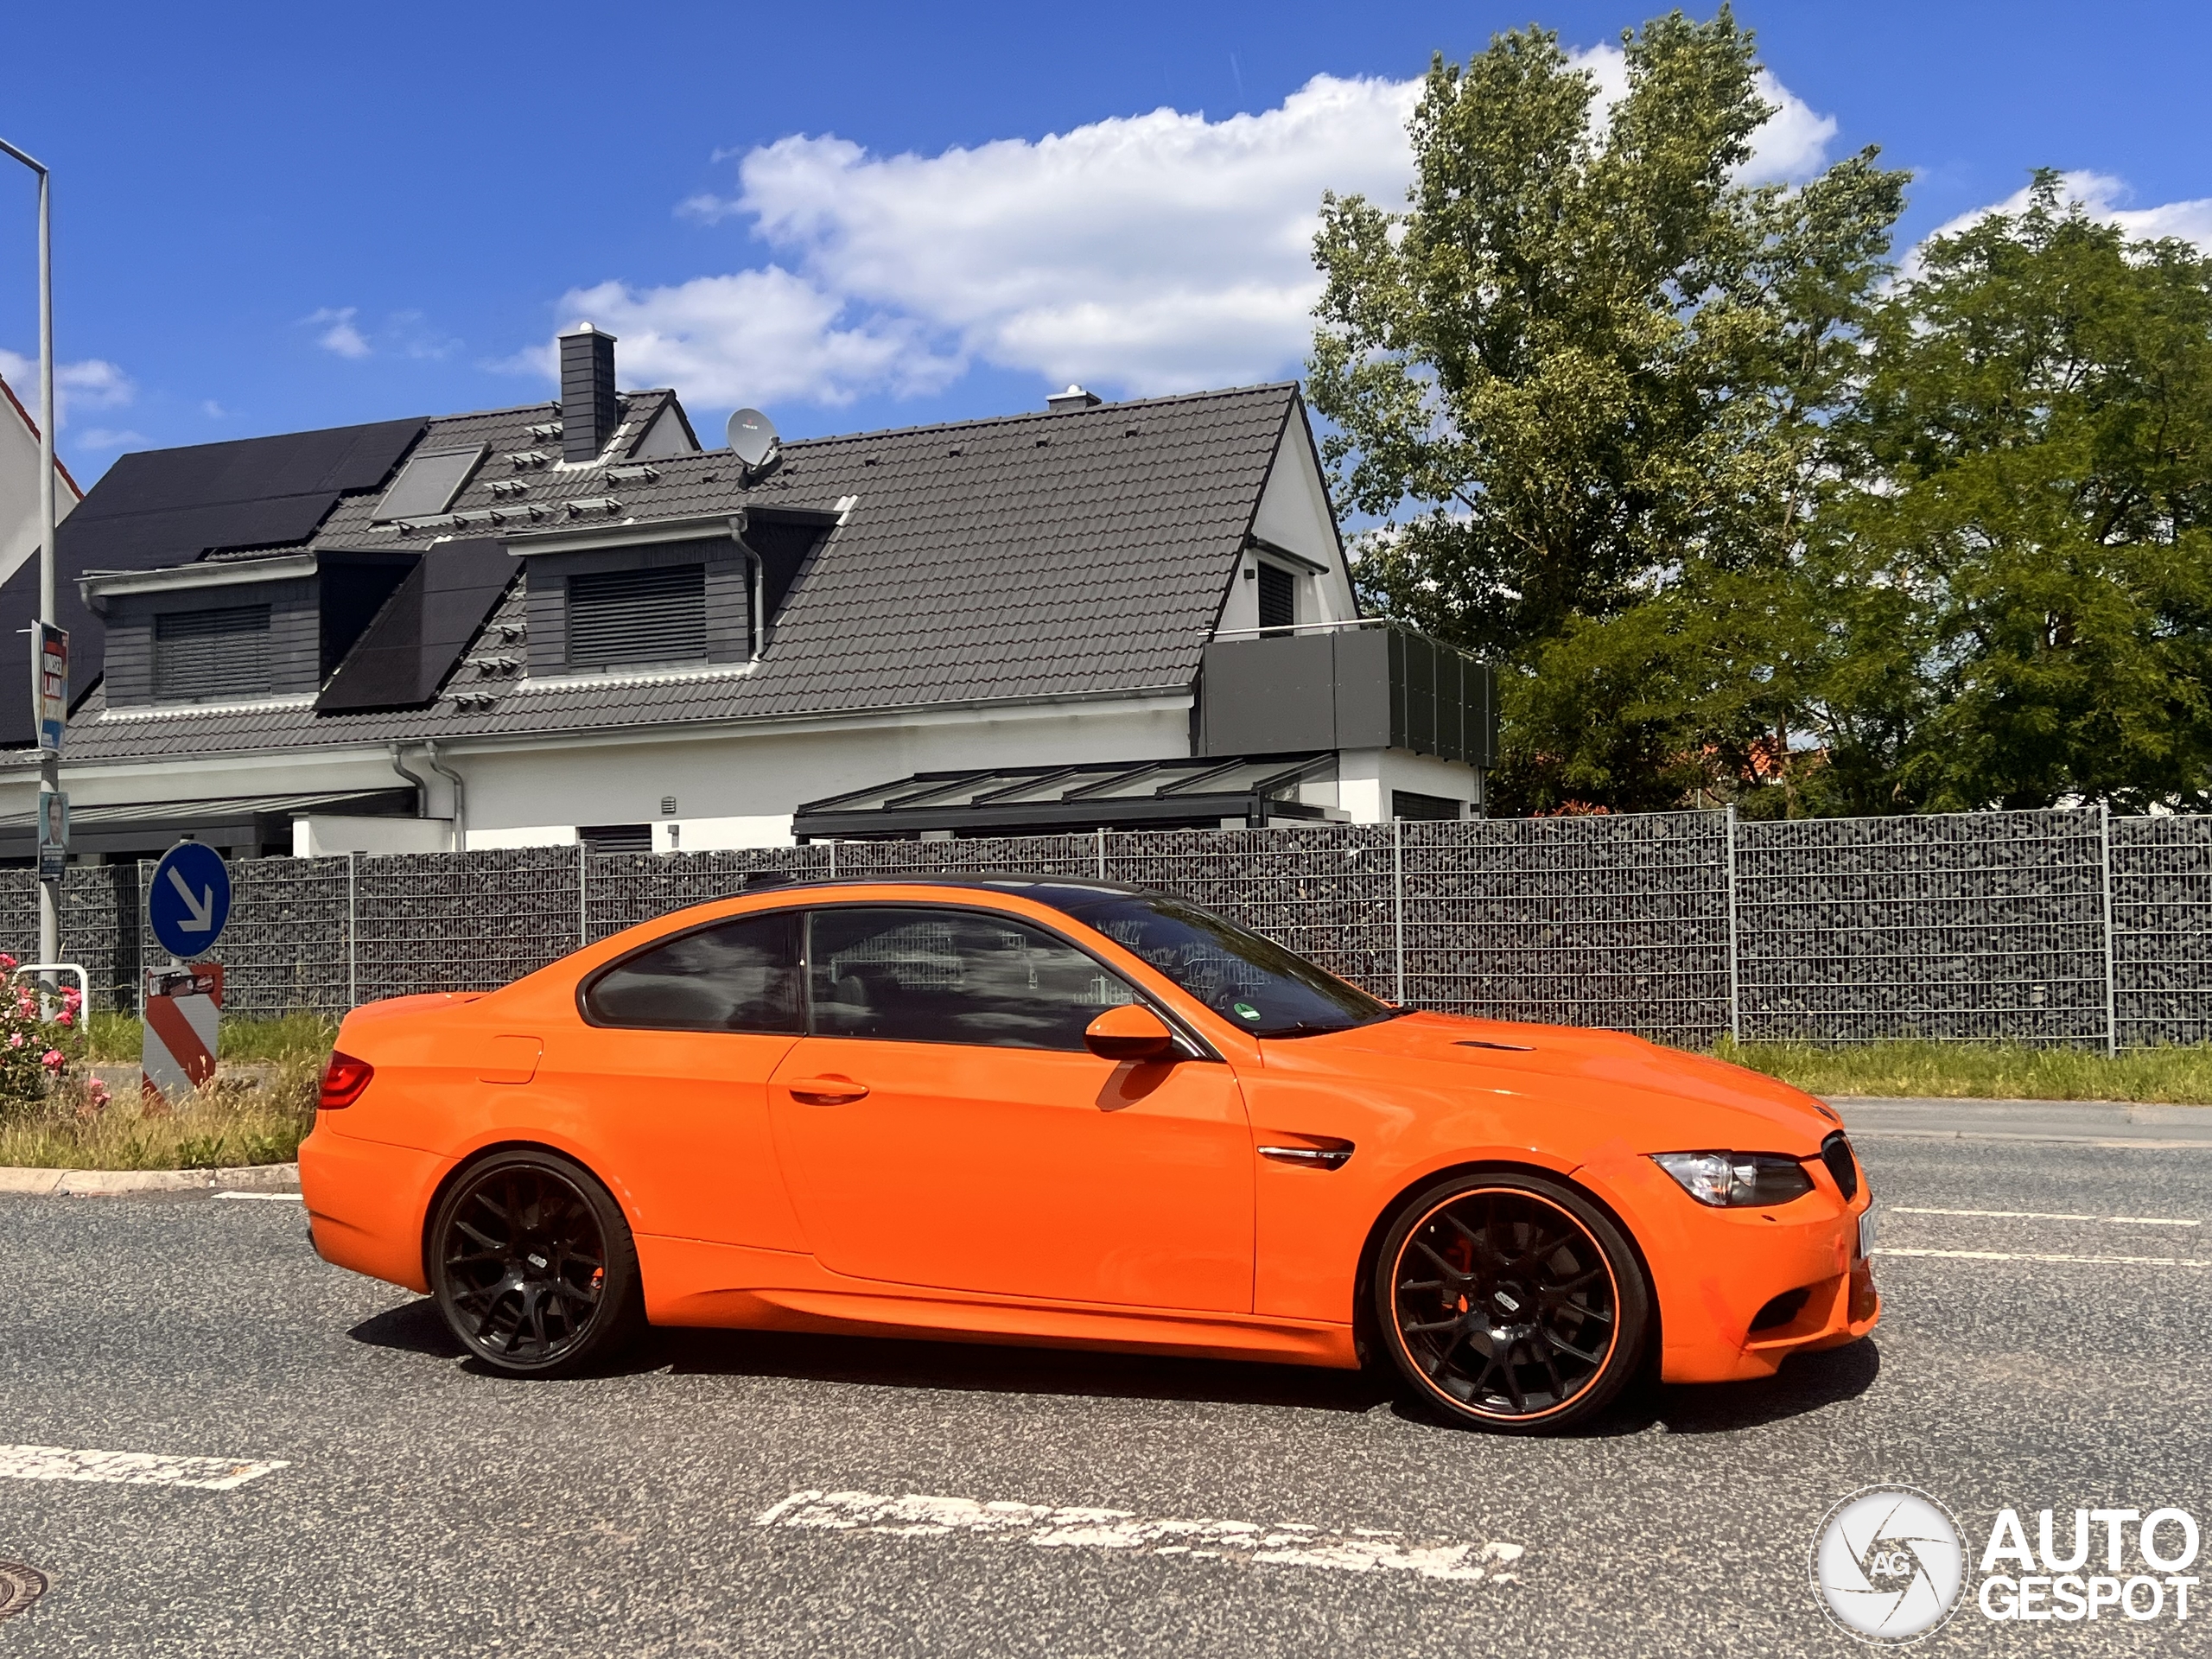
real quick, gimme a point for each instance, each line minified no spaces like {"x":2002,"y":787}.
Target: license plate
{"x":1866,"y":1231}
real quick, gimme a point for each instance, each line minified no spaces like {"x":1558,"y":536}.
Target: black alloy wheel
{"x":533,"y":1266}
{"x":1511,"y":1303}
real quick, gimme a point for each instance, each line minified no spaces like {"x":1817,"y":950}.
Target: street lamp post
{"x":49,"y":892}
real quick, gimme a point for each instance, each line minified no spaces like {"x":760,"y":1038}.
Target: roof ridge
{"x":1023,"y":416}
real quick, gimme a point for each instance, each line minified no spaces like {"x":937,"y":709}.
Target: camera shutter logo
{"x":1888,"y":1564}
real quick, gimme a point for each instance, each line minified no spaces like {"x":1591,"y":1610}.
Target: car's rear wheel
{"x":1510,"y":1303}
{"x":533,"y":1266}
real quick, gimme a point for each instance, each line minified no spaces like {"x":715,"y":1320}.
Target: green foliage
{"x":114,"y":1037}
{"x":1738,"y":517}
{"x":2032,"y":482}
{"x":1591,"y":377}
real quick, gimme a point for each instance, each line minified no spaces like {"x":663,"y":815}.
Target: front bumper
{"x":1716,"y":1270}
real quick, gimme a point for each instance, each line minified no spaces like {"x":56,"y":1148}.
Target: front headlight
{"x":1736,"y":1180}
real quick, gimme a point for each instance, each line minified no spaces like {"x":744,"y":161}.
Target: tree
{"x":1587,"y":379}
{"x":2033,"y":505}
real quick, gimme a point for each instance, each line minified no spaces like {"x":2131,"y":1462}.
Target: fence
{"x":2052,"y":927}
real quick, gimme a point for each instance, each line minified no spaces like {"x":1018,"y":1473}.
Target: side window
{"x":737,"y":976}
{"x":922,"y":976}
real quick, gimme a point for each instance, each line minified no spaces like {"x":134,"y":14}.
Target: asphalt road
{"x":424,"y":1508}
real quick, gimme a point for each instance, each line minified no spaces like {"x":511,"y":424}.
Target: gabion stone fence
{"x":2051,"y":927}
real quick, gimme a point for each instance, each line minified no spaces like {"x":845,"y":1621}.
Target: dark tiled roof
{"x":1029,"y":556}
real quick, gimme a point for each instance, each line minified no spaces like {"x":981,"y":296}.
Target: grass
{"x":228,"y":1123}
{"x":2179,"y":1074}
{"x":116,"y":1037}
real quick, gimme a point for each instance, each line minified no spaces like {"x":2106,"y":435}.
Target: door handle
{"x":1330,"y":1157}
{"x":826,"y":1091}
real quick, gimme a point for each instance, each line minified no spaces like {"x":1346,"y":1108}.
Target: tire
{"x":533,"y":1266}
{"x":1510,"y":1303}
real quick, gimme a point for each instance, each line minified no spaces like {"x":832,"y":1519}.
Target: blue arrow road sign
{"x":190,"y":898}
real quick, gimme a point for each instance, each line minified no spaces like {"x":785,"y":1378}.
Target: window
{"x":1252,"y":980}
{"x":655,"y":615}
{"x":1405,"y":804}
{"x":428,"y":483}
{"x":1278,"y":597}
{"x":212,"y":652}
{"x":737,"y":976}
{"x":952,"y":976}
{"x":616,"y":838}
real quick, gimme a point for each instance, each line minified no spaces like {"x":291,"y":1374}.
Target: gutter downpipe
{"x":459,"y":794}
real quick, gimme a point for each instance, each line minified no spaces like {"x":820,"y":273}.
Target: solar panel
{"x":429,"y":482}
{"x":421,"y":635}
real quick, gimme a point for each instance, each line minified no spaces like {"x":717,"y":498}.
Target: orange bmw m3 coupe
{"x":1030,"y":1109}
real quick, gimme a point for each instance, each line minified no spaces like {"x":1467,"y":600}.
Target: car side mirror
{"x":1131,"y":1032}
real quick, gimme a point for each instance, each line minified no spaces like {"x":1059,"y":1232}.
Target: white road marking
{"x":266,"y":1198}
{"x":2009,"y":1255}
{"x":917,"y":1514}
{"x":132,"y":1468}
{"x":2044,"y":1214}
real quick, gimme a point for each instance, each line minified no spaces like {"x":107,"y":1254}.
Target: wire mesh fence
{"x":2053,"y":927}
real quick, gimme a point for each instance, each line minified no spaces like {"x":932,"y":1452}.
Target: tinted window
{"x":953,"y":976}
{"x":1252,"y":980}
{"x":739,"y":975}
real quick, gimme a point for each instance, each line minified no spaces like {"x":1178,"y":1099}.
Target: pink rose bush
{"x":41,"y":1041}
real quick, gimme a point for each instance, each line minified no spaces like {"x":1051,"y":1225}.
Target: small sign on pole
{"x":184,"y":1007}
{"x":52,"y":834}
{"x":50,"y":683}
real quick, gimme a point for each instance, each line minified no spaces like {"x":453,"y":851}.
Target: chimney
{"x":1072,"y":401}
{"x":589,"y":411}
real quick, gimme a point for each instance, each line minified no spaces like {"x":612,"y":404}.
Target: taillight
{"x":343,"y":1081}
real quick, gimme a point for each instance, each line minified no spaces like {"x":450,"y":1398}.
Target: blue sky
{"x":277,"y":217}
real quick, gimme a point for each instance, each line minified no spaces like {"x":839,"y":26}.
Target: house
{"x":19,"y":464}
{"x":568,"y":622}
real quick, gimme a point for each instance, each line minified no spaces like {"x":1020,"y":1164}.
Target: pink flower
{"x":7,"y":962}
{"x":64,"y":1019}
{"x":52,"y":1058}
{"x":15,"y":1040}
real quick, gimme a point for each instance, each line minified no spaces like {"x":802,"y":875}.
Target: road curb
{"x":117,"y":1183}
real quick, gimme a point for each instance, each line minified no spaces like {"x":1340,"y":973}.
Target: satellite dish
{"x":753,"y":439}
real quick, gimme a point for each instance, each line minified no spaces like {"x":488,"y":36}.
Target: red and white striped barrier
{"x":183,"y":1006}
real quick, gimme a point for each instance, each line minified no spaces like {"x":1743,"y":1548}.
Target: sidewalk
{"x":2083,"y":1122}
{"x":113,"y":1183}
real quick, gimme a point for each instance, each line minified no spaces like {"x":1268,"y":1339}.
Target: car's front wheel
{"x":1510,"y":1302}
{"x":533,"y":1266}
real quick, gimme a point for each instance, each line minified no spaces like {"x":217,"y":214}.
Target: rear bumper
{"x":365,"y":1203}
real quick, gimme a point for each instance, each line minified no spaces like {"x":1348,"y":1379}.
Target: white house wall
{"x":19,"y":525}
{"x":1293,"y":514}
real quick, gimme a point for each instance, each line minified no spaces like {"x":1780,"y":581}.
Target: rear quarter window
{"x":741,"y":974}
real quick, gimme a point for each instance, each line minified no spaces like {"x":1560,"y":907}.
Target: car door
{"x":678,"y":1043}
{"x":943,"y":1124}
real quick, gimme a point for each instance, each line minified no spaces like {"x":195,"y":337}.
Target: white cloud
{"x":1142,"y":254}
{"x":2101,"y":194}
{"x":341,"y":338}
{"x":92,"y":382}
{"x":101,"y":437}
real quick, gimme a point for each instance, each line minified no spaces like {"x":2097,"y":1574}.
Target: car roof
{"x":1063,"y":893}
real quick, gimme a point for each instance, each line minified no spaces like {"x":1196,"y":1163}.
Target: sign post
{"x":187,"y":907}
{"x":50,"y":712}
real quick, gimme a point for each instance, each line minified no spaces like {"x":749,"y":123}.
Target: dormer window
{"x":219,"y":651}
{"x":658,"y":614}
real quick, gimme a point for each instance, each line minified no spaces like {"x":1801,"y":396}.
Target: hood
{"x":1537,"y":1060}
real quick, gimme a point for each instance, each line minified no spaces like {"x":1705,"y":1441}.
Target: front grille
{"x":1835,"y":1153}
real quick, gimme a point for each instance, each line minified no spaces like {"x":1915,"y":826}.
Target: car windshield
{"x":1251,"y":981}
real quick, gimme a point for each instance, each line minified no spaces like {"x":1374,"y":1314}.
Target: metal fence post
{"x":352,"y":930}
{"x":583,"y":893}
{"x":833,"y":861}
{"x":1398,"y":900}
{"x":2111,"y":1000}
{"x":1101,"y":852}
{"x":1735,"y":970}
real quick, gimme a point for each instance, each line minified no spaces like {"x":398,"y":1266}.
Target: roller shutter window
{"x":655,"y":615}
{"x":212,"y":654}
{"x":1278,"y":597}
